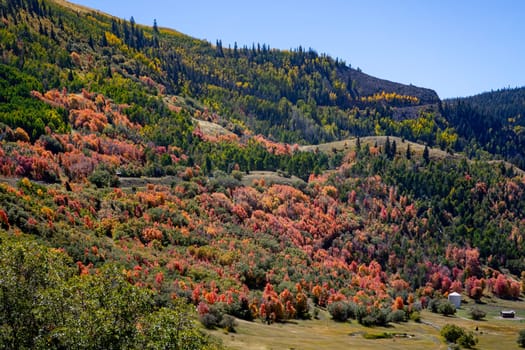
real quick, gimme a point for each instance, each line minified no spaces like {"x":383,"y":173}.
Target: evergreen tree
{"x":387,"y":147}
{"x":235,"y":50}
{"x":393,"y":149}
{"x":109,"y":74}
{"x":155,"y":27}
{"x":103,"y":40}
{"x":426,"y":155}
{"x":218,"y":46}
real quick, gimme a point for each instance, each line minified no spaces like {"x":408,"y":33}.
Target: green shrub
{"x":452,"y":333}
{"x":415,"y":316}
{"x":229,"y":323}
{"x":377,"y":317}
{"x":339,"y":311}
{"x":237,"y":175}
{"x":359,"y":311}
{"x":383,"y":335}
{"x":103,"y":178}
{"x":208,"y":320}
{"x":446,"y":308}
{"x":352,"y":310}
{"x":368,"y":321}
{"x":468,"y":340}
{"x":397,"y":316}
{"x":477,"y":314}
{"x":521,"y":338}
{"x":380,"y":316}
{"x":433,"y":305}
{"x":215,"y":317}
{"x":51,"y":144}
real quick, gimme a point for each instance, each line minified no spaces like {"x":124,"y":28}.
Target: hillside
{"x":146,"y":184}
{"x":292,"y":96}
{"x":492,"y":121}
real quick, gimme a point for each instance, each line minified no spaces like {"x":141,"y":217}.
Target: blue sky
{"x":456,"y":47}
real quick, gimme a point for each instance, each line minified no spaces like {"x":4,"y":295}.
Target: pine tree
{"x":155,"y":27}
{"x":387,"y":147}
{"x":103,"y":41}
{"x":426,"y":155}
{"x":393,"y":149}
{"x":109,"y":74}
{"x":235,"y":50}
{"x":219,"y":51}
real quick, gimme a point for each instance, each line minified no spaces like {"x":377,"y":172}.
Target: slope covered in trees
{"x":492,"y":122}
{"x":369,"y":232}
{"x":295,"y":96}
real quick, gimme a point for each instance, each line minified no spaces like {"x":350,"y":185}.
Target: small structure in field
{"x":507,"y":313}
{"x":455,"y":299}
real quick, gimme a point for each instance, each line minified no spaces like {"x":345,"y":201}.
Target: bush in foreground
{"x":468,"y":340}
{"x":456,"y":334}
{"x":451,"y":332}
{"x":47,"y":304}
{"x":521,"y":338}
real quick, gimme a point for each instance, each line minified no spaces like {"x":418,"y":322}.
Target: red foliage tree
{"x":271,"y":308}
{"x":398,"y":304}
{"x":472,"y":264}
{"x":474,"y":287}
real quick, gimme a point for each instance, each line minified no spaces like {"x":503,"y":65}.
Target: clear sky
{"x":456,"y":47}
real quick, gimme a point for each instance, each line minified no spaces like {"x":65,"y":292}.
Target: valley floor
{"x":323,"y":333}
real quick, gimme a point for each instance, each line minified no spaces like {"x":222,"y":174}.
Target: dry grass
{"x":80,"y":8}
{"x":212,"y":129}
{"x":493,"y":332}
{"x":327,"y":334}
{"x":143,"y":181}
{"x":401,"y":146}
{"x":270,"y":177}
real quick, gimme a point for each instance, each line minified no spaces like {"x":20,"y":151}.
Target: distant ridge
{"x":369,"y":85}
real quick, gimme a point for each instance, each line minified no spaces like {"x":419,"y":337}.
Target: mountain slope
{"x":373,"y":230}
{"x":297,"y":96}
{"x":492,"y":121}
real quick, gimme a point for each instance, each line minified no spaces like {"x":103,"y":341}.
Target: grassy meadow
{"x":493,"y":332}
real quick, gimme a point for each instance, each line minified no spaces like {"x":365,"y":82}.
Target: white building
{"x":455,"y":298}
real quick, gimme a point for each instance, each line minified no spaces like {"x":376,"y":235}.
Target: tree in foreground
{"x":171,"y":328}
{"x":44,"y":304}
